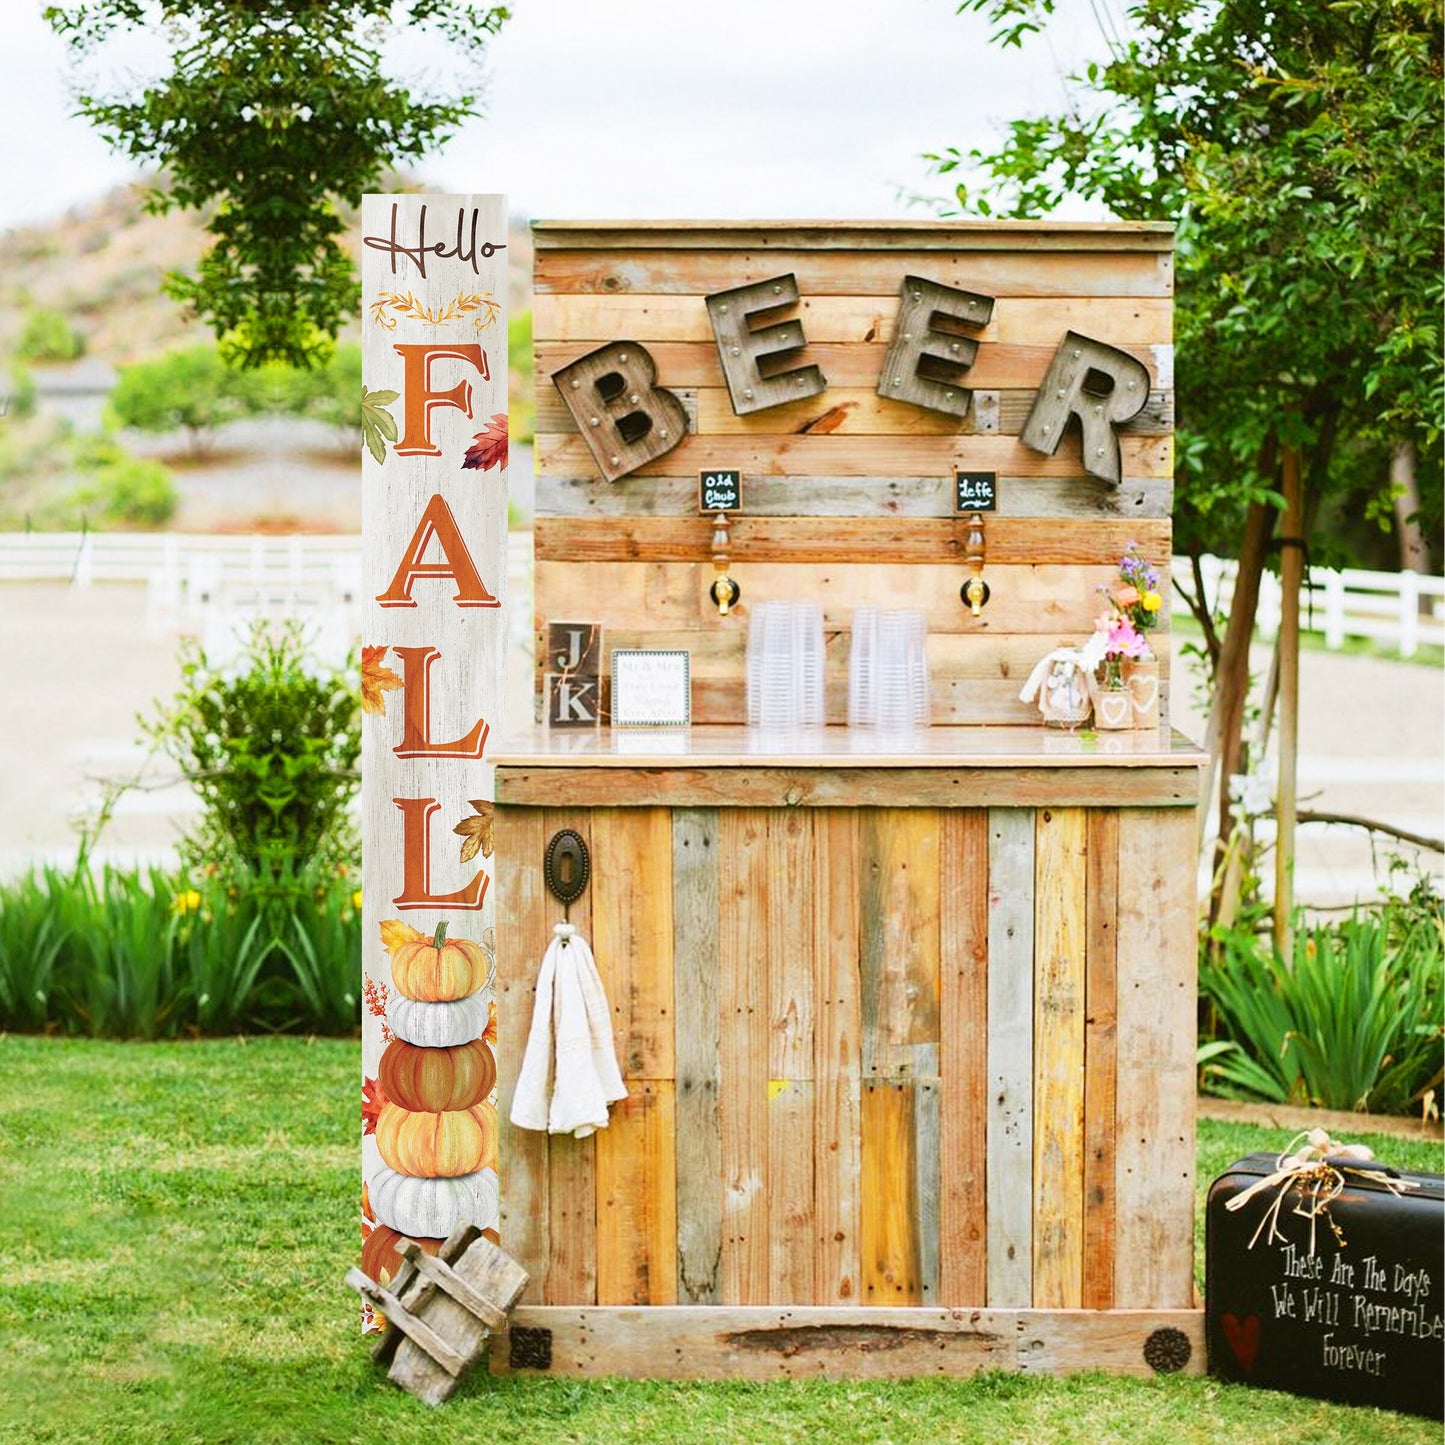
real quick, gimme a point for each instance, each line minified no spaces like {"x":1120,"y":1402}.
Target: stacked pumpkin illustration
{"x":436,"y":1131}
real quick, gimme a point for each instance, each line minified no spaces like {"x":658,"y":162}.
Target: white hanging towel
{"x":569,"y":1074}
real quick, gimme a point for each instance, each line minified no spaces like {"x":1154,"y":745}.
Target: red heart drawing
{"x":1243,"y":1337}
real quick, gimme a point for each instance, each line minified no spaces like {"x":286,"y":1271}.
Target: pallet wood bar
{"x":905,"y":1021}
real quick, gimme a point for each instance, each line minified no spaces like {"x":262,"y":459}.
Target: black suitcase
{"x":1361,"y":1320}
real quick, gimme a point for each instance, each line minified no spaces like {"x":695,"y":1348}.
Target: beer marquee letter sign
{"x":616,"y":403}
{"x":434,"y":520}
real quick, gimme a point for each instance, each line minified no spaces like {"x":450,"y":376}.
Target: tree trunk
{"x":1223,"y":733}
{"x":1291,"y":575}
{"x":1414,"y":551}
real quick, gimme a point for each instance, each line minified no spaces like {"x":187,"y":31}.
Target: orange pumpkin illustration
{"x":435,"y":1080}
{"x":438,"y":1145}
{"x":438,"y":970}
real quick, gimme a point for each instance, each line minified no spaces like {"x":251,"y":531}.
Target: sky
{"x":636,"y":108}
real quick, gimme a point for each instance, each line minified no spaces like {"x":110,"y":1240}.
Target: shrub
{"x":271,"y":748}
{"x":131,"y":490}
{"x":150,"y":954}
{"x":19,"y":397}
{"x":1350,"y":1021}
{"x":190,"y":389}
{"x":48,"y":336}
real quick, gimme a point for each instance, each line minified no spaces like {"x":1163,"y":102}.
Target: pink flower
{"x":1125,"y":640}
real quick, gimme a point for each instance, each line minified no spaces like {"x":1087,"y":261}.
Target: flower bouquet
{"x":1126,"y":693}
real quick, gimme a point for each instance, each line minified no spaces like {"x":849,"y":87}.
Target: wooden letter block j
{"x":624,"y":417}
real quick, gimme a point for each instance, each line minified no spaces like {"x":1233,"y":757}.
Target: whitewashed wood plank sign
{"x":434,"y":541}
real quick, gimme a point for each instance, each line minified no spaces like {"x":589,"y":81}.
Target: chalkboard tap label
{"x":975,"y":491}
{"x":720,"y":490}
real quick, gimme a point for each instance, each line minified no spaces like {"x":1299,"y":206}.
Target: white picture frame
{"x":651,"y":688}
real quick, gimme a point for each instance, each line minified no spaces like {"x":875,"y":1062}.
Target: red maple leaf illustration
{"x":372,"y":1100}
{"x":489,"y":448}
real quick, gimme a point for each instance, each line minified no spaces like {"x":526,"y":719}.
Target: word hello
{"x":464,"y":248}
{"x":627,"y":420}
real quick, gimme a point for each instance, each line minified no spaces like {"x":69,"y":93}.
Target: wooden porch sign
{"x":434,"y":520}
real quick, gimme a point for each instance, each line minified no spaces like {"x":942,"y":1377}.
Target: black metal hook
{"x":566,"y":867}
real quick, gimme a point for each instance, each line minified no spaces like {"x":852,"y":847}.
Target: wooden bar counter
{"x":908,"y":1031}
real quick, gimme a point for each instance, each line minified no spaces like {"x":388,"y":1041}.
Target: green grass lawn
{"x":180,"y":1217}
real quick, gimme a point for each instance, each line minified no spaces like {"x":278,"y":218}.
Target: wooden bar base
{"x":699,"y":1342}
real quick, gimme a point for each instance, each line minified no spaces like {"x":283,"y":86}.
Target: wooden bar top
{"x":717,"y":746}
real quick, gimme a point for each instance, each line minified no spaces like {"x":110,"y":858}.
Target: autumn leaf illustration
{"x":394,"y":933}
{"x":377,"y":426}
{"x":489,"y":448}
{"x":476,"y":831}
{"x":376,"y":680}
{"x":373,"y":1100}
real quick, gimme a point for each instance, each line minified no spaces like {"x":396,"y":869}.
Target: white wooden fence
{"x":1402,"y":610}
{"x":189,"y":576}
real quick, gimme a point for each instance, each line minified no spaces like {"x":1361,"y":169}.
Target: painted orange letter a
{"x":420,"y":400}
{"x":437,"y":522}
{"x":416,"y":735}
{"x":416,"y":862}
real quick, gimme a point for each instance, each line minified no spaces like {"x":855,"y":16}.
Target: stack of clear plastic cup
{"x":888,"y":670}
{"x":785,"y":665}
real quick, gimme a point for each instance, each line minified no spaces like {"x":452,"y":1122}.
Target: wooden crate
{"x":847,"y":496}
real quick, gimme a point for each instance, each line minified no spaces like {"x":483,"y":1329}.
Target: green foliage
{"x":130,"y":490}
{"x":18,"y":398}
{"x":1297,"y":146}
{"x":274,"y":115}
{"x":326,"y":393}
{"x":149,"y":954}
{"x":1351,"y":1021}
{"x":519,"y":365}
{"x":190,"y":388}
{"x":377,"y":424}
{"x":271,"y":749}
{"x":48,"y":336}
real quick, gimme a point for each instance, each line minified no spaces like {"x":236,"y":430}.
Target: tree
{"x":191,"y":388}
{"x":1297,"y":146}
{"x":274,"y":114}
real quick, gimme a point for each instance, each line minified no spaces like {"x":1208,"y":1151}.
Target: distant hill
{"x":101,"y":265}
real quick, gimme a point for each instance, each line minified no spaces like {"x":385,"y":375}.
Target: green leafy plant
{"x":190,"y":389}
{"x":377,"y":426}
{"x":132,"y":490}
{"x":271,"y":748}
{"x":275,"y":115}
{"x":48,"y":336}
{"x":1352,"y":1020}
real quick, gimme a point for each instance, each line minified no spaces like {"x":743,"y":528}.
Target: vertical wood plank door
{"x":881,"y":1056}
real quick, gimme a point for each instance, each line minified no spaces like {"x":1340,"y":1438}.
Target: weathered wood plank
{"x":836,"y":1157}
{"x":743,"y":1046}
{"x":889,"y":1199}
{"x":963,"y":1057}
{"x":1010,"y":541}
{"x":1121,"y":237}
{"x":637,"y":1198}
{"x":928,"y":1170}
{"x":863,"y":456}
{"x":1154,"y":1164}
{"x":823,"y":1343}
{"x":633,"y":934}
{"x":868,"y":272}
{"x":1048,"y":497}
{"x":764,"y":787}
{"x":1060,"y":900}
{"x":851,"y":411}
{"x":1010,"y":1055}
{"x":789,"y":1191}
{"x":523,"y":932}
{"x":1099,"y":1058}
{"x":845,"y":365}
{"x":899,"y":941}
{"x":659,"y":596}
{"x":1016,"y":320}
{"x":695,"y":837}
{"x":571,"y":1276}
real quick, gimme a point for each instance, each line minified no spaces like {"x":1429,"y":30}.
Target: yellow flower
{"x":1152,"y":602}
{"x":356,"y":900}
{"x":186,"y":902}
